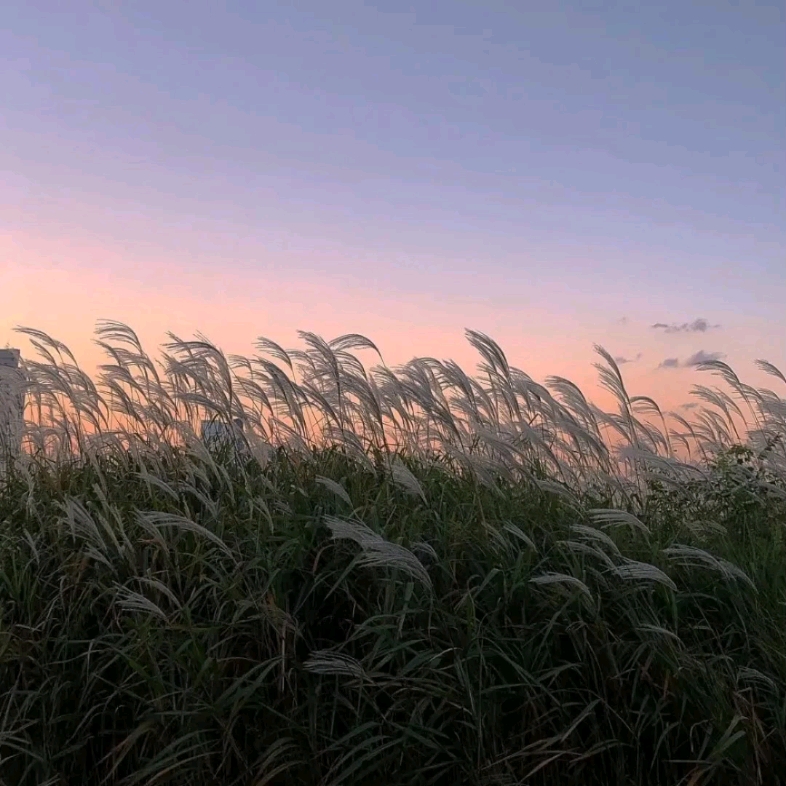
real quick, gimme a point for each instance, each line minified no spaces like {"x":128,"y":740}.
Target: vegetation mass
{"x":411,"y":575}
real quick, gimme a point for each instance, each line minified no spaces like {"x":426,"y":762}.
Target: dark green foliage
{"x":136,"y":649}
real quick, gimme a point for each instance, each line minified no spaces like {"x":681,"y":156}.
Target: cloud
{"x":697,"y":358}
{"x":689,"y":405}
{"x":703,"y":357}
{"x":699,"y":325}
{"x":622,"y":360}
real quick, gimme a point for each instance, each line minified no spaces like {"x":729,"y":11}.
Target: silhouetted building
{"x":11,"y":403}
{"x":216,"y":433}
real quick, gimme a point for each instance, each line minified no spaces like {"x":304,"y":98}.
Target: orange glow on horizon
{"x":63,"y":287}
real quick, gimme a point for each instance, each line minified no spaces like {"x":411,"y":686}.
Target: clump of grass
{"x":410,"y":575}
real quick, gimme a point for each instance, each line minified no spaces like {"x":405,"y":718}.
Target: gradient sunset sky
{"x":552,"y":174}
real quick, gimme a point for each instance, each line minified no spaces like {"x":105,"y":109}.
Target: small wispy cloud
{"x":621,"y":361}
{"x":703,"y":357}
{"x":669,"y":363}
{"x":697,"y":358}
{"x":700,"y":325}
{"x":689,"y":405}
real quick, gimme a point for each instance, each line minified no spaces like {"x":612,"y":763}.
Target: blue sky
{"x":577,"y":162}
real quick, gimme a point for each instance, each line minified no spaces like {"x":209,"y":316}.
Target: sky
{"x":555,"y":175}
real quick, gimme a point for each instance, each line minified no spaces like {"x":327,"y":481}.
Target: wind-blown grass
{"x":411,"y":574}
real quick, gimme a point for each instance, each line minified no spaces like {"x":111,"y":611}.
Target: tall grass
{"x":408,"y":574}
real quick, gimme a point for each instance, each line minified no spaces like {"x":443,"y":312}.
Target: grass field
{"x":408,"y":576}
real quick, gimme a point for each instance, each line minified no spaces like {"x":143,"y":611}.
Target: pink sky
{"x":63,"y":285}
